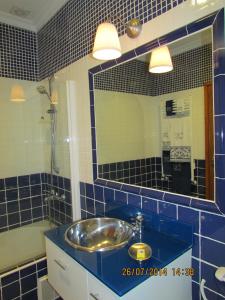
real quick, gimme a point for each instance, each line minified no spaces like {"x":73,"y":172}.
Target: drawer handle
{"x":59,"y":264}
{"x":93,"y":296}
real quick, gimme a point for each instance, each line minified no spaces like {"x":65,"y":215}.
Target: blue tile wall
{"x":213,"y":20}
{"x":71,"y":31}
{"x":18,"y":53}
{"x":197,"y":64}
{"x":30,"y":56}
{"x":147,"y":172}
{"x":209,"y":229}
{"x":22,"y":200}
{"x":21,"y":283}
{"x":60,"y":209}
{"x":207,"y":218}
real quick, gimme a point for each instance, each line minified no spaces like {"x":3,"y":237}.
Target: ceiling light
{"x":17,"y":94}
{"x":160,"y":61}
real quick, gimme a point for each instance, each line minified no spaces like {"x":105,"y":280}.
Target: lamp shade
{"x":107,"y":44}
{"x":17,"y":94}
{"x":160,"y":61}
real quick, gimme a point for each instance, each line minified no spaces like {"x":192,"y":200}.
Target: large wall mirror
{"x":164,"y":132}
{"x":156,"y":130}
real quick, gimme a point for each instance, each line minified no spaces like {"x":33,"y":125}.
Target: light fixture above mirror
{"x":161,"y":61}
{"x":107,"y":44}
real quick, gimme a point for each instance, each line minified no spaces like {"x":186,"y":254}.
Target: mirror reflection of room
{"x":156,"y":130}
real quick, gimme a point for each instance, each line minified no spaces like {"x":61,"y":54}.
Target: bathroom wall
{"x":25,"y":156}
{"x":71,"y":31}
{"x":129,"y":120}
{"x":22,"y":129}
{"x":209,"y":227}
{"x":128,"y":125}
{"x":76,"y":42}
{"x":19,"y":57}
{"x":134,"y":76}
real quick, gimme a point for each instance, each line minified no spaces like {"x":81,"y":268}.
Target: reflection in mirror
{"x":156,"y":130}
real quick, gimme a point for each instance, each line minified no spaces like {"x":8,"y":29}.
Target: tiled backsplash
{"x":22,"y":283}
{"x":199,"y":176}
{"x":22,"y":200}
{"x":209,"y":229}
{"x":147,"y":172}
{"x":60,"y":209}
{"x":134,"y":77}
{"x":143,"y":172}
{"x":18,"y":53}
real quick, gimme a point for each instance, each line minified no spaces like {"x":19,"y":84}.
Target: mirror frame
{"x":215,"y":21}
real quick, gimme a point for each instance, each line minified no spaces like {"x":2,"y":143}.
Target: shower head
{"x":42,"y":90}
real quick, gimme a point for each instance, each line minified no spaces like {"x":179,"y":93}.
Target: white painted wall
{"x":25,"y":130}
{"x":22,"y":130}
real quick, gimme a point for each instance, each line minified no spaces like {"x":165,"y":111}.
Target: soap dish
{"x":140,"y":251}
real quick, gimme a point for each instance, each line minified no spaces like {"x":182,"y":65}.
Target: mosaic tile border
{"x":216,"y":22}
{"x":72,"y":29}
{"x":197,"y":64}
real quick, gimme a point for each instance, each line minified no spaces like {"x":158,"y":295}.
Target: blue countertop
{"x":168,"y":239}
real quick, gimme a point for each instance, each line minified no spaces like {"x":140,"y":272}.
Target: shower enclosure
{"x":35,"y":190}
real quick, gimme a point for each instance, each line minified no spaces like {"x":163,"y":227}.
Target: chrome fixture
{"x":137,"y":225}
{"x":51,"y":195}
{"x":53,"y":115}
{"x":107,"y":44}
{"x":99,"y":234}
{"x":133,"y":28}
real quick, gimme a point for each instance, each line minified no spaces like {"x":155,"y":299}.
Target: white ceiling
{"x":28,"y":14}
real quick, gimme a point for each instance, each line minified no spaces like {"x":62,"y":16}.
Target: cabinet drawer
{"x":98,"y":291}
{"x":65,"y":275}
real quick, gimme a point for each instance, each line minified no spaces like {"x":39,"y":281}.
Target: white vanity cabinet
{"x":74,"y":282}
{"x":65,"y":275}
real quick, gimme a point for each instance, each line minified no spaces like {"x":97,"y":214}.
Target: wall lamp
{"x":160,"y":61}
{"x":107,"y":44}
{"x":17,"y":94}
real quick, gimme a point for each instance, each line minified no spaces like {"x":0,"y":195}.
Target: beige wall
{"x":22,"y":129}
{"x":25,"y":130}
{"x":128,"y":125}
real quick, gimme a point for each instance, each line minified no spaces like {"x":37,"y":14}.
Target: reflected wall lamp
{"x":107,"y":44}
{"x":160,"y":61}
{"x":198,"y":2}
{"x":17,"y":94}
